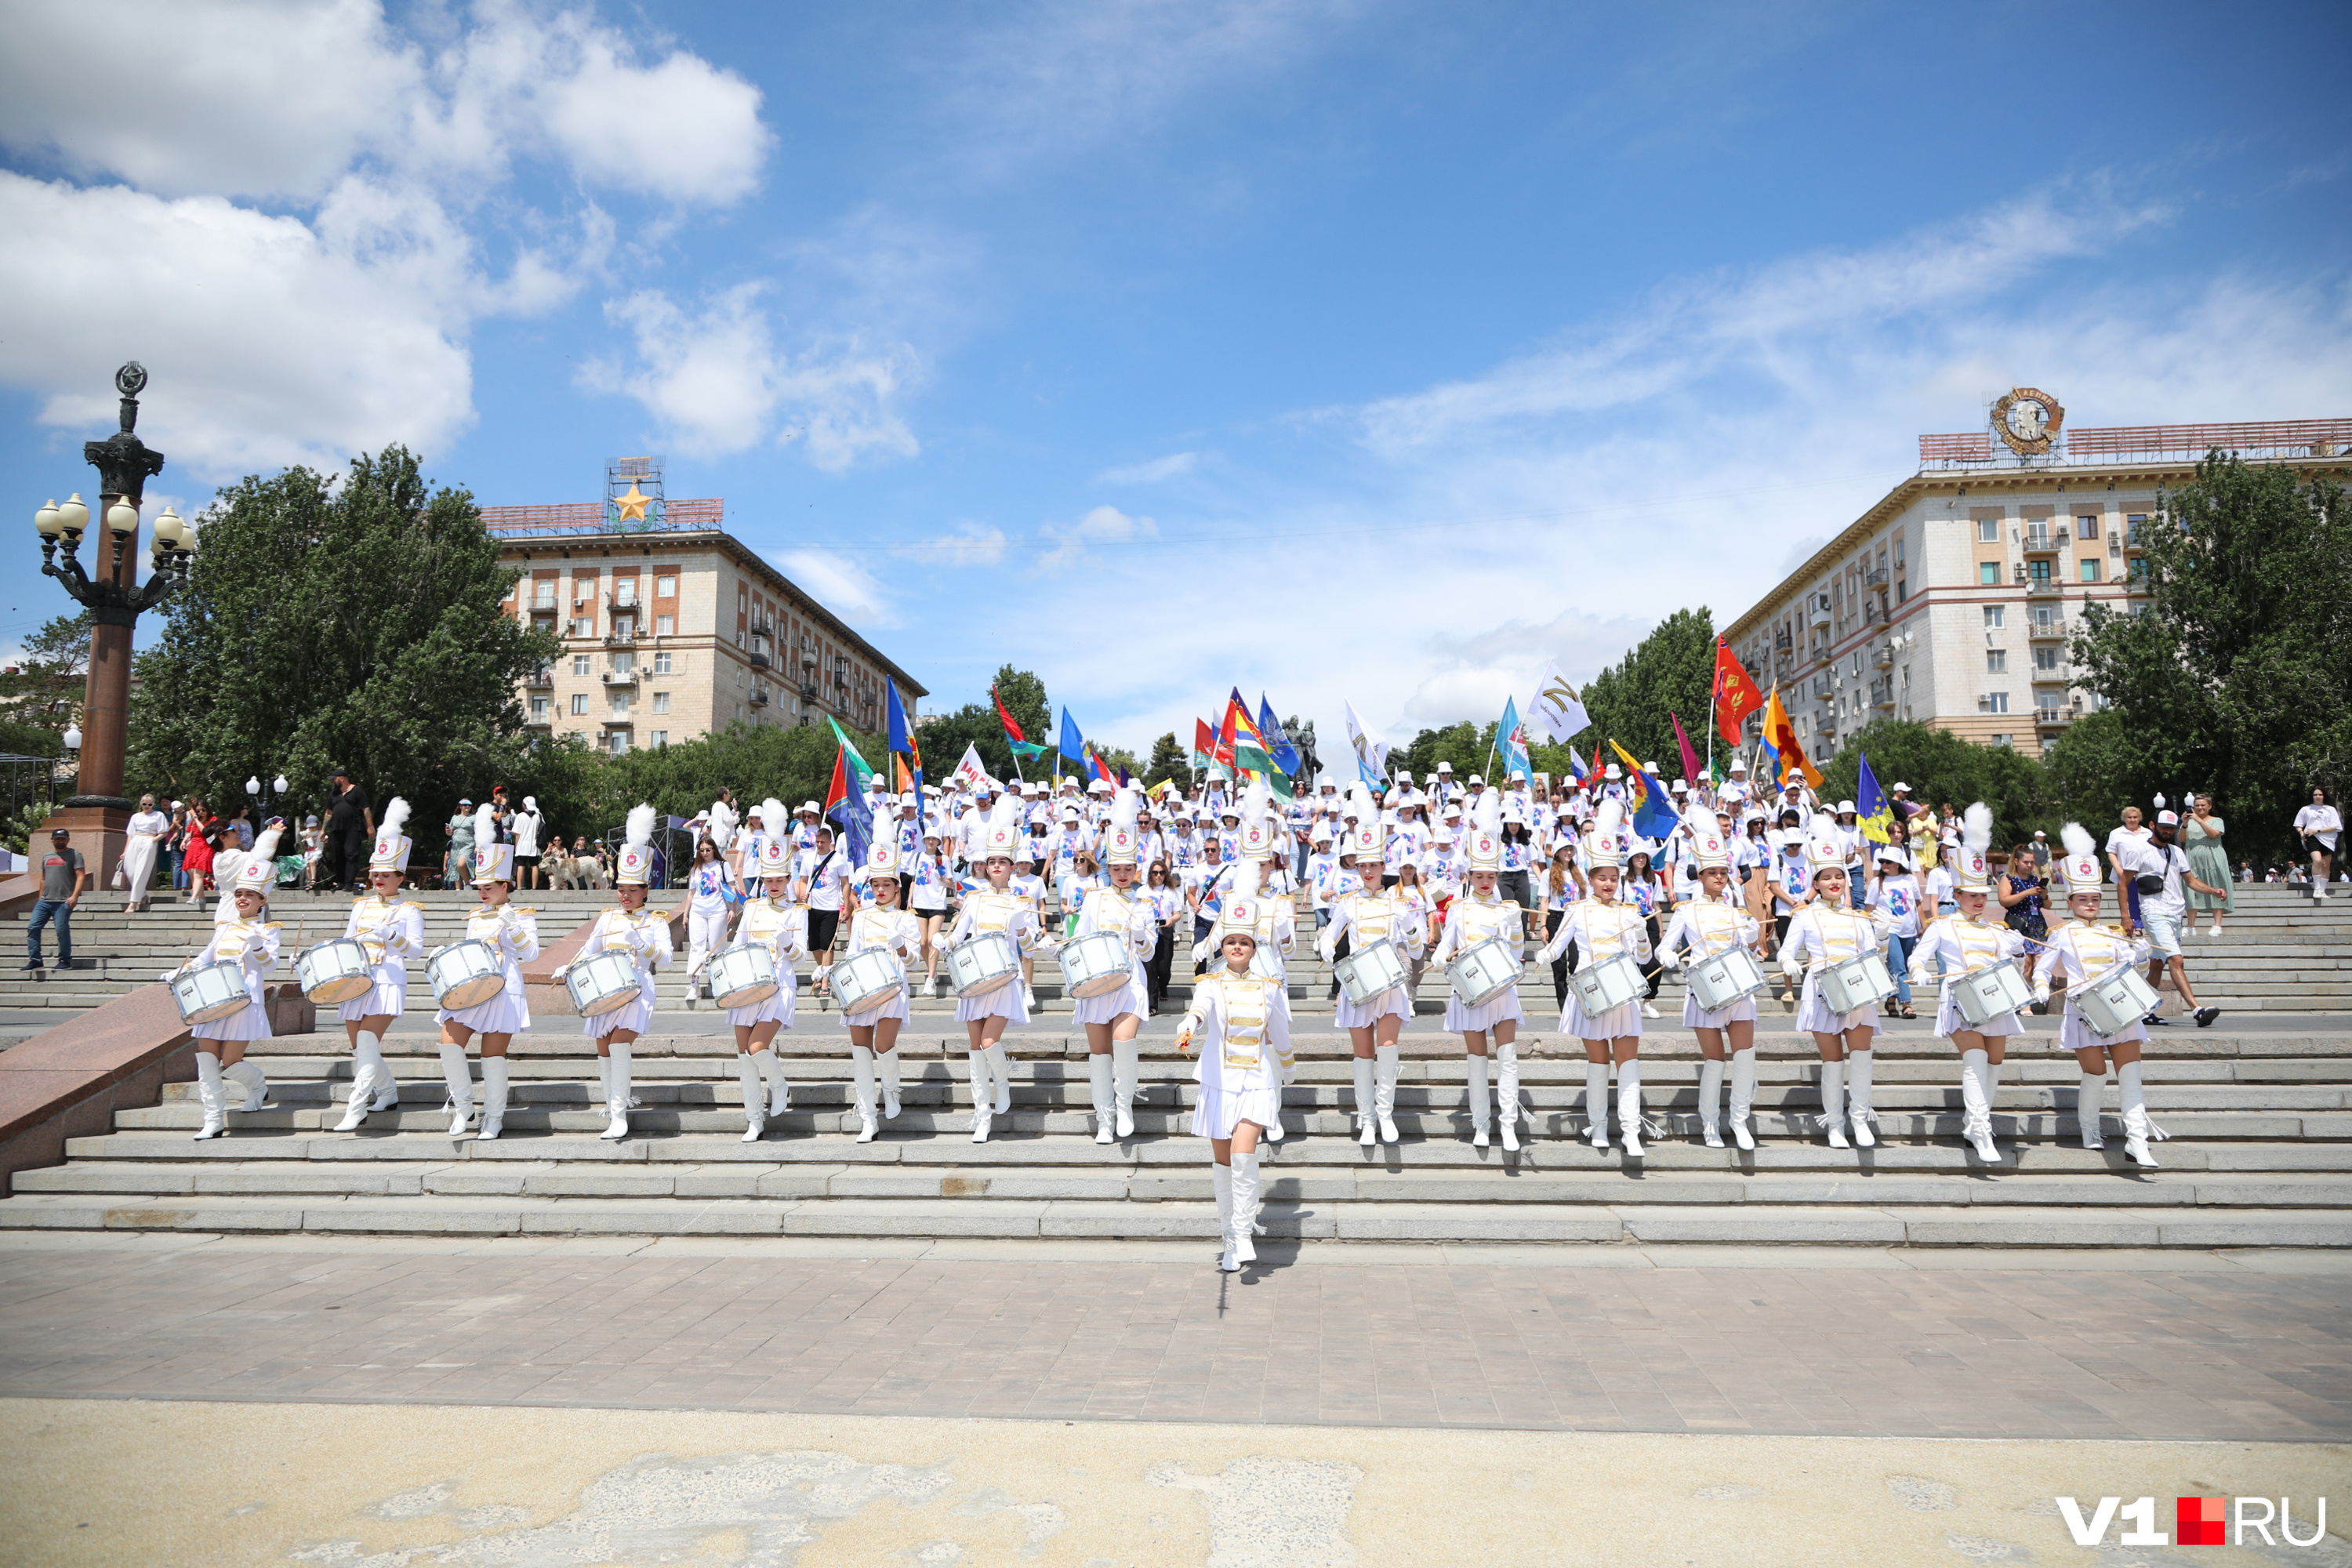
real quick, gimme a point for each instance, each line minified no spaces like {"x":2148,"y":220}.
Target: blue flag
{"x":1278,"y":746}
{"x":1875,"y":815}
{"x":1074,"y":744}
{"x":1511,"y":739}
{"x":898,"y":739}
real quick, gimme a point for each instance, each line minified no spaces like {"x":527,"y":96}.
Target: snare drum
{"x":334,"y":972}
{"x":210,"y":992}
{"x":867,"y":980}
{"x":743,"y":976}
{"x":465,"y":974}
{"x":1862,"y":981}
{"x":1482,"y":972}
{"x":1984,"y":994}
{"x":2117,"y":1000}
{"x":602,"y":983}
{"x":1370,"y":973}
{"x":983,"y":964}
{"x":1095,"y":964}
{"x":1607,"y":984}
{"x":1725,"y":979}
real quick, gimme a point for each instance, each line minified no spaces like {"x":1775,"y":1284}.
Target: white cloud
{"x":842,"y":585}
{"x":968,"y":545}
{"x":1159,"y":471}
{"x":1103,"y":525}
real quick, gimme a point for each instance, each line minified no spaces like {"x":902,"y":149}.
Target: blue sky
{"x":1361,"y":350}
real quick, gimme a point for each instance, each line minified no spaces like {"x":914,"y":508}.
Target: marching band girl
{"x":994,"y":907}
{"x":1480,"y":916}
{"x":1965,"y":944}
{"x":1274,"y":915}
{"x":1828,"y":932}
{"x":1246,"y":1061}
{"x":644,"y":934}
{"x":1364,"y":915}
{"x":773,"y":922}
{"x":1114,"y":1018}
{"x":874,"y":1033}
{"x":251,"y":941}
{"x":512,"y":933}
{"x":391,"y":929}
{"x":2088,"y":951}
{"x":1702,"y":927}
{"x":1601,"y":929}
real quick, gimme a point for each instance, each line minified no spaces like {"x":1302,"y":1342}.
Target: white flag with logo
{"x":1556,"y":706}
{"x":969,"y":772}
{"x":1372,"y":754}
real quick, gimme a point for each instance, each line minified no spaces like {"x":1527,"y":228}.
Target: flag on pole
{"x":1780,"y":738}
{"x":1205,"y":745}
{"x":969,"y":771}
{"x":1372,"y":752}
{"x":1690,"y":753}
{"x":897,"y":736}
{"x":846,"y":806}
{"x":1653,"y":816}
{"x":1098,"y":767}
{"x":859,"y":764}
{"x":898,"y":771}
{"x":1012,"y":730}
{"x":1511,"y":739}
{"x":1736,"y":696}
{"x":1876,"y":815}
{"x":1286,"y":755}
{"x":1556,"y":706}
{"x":1249,"y":749}
{"x":1073,"y":743}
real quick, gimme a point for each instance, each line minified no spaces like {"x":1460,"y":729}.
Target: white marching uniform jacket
{"x":1128,"y":914}
{"x":2088,"y":951}
{"x":1469,"y":921}
{"x":392,"y":930}
{"x":1364,"y":918}
{"x":781,"y":927}
{"x":1008,"y":912}
{"x":643,"y":935}
{"x":1601,"y":932}
{"x":512,"y":933}
{"x":1242,"y":1032}
{"x":1820,"y":939}
{"x":891,"y":930}
{"x":254,"y":945}
{"x":1965,"y":946}
{"x":1700,"y":929}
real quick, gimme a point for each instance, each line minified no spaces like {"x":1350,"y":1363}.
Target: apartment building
{"x":1951,"y":599}
{"x":673,"y":628}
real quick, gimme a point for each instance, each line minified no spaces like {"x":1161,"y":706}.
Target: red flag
{"x":1204,"y":743}
{"x":1224,"y":751}
{"x":1736,"y":696}
{"x":1011,"y":731}
{"x":838,"y":790}
{"x":1690,"y":757}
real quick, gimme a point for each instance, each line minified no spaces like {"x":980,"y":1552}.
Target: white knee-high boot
{"x":1857,"y":1099}
{"x":605,"y":1084}
{"x":1002,"y":1070}
{"x":861,"y":1074}
{"x":211,"y":1095}
{"x":1596,"y":1104}
{"x":1368,"y":1130}
{"x":494,"y":1096}
{"x":616,"y":1089}
{"x":1100,"y":1083}
{"x":1126,"y":1082}
{"x":250,"y":1079}
{"x":888,"y":1062}
{"x":1976,"y":1104}
{"x":1833,"y":1102}
{"x":1478,"y":1109}
{"x":771,"y":1073}
{"x":1223,"y":1175}
{"x":1743,"y":1097}
{"x":460,"y":1076}
{"x":387,"y":1085}
{"x":1710,"y":1102}
{"x":2088,"y":1093}
{"x":1629,"y":1105}
{"x":755,"y":1096}
{"x":1239,"y":1246}
{"x":1507,"y":1092}
{"x":983,"y":1095}
{"x":1385,"y":1067}
{"x":367,"y":1070}
{"x":2137,"y":1128}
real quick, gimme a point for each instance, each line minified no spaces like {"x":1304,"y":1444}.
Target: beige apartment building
{"x":1950,"y":600}
{"x":676,"y":628}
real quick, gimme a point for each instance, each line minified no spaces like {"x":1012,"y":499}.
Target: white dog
{"x":579,"y":871}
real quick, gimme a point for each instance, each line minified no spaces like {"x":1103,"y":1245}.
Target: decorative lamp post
{"x":97,"y":815}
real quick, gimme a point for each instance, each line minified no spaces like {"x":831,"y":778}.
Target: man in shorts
{"x":2163,"y":912}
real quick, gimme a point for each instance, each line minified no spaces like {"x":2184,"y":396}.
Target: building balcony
{"x":620,"y":722}
{"x":2054,"y":718}
{"x":760,"y":660}
{"x":621,"y":639}
{"x":2052,"y":629}
{"x":2044,"y":541}
{"x":1820,"y":688}
{"x":622,"y":677}
{"x":1882,"y":658}
{"x":1882,"y":693}
{"x":2043,"y":587}
{"x":543,"y":676}
{"x":759,"y":696}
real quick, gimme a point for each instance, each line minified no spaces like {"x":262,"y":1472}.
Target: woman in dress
{"x":1113,"y":1018}
{"x":712,"y":890}
{"x":877,"y":924}
{"x":2201,"y":836}
{"x":773,"y":920}
{"x":643,"y":935}
{"x":512,"y":933}
{"x":994,"y":909}
{"x":1710,"y":923}
{"x":144,"y":839}
{"x":1481,"y":915}
{"x":2319,"y":824}
{"x":1361,"y":916}
{"x":392,"y":930}
{"x":249,"y":939}
{"x":1605,"y":930}
{"x":2082,"y":951}
{"x":1826,"y":932}
{"x":1246,"y":1061}
{"x":1965,"y":944}
{"x":197,"y":858}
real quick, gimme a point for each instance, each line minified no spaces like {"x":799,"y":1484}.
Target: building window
{"x":2090,"y":569}
{"x":659,"y":737}
{"x":1989,"y":573}
{"x":620,"y":703}
{"x":1995,"y":616}
{"x":618,"y":741}
{"x":1902,"y":591}
{"x":2045,"y":658}
{"x":742,"y":600}
{"x":739,"y":637}
{"x":664,"y":587}
{"x":624,"y":661}
{"x":1996,"y":661}
{"x":2038,"y":570}
{"x":661,"y":701}
{"x":1995,"y":702}
{"x":1988,"y":530}
{"x":584,"y":626}
{"x":2133,"y":525}
{"x":543,"y":594}
{"x":2001,"y":739}
{"x":580,"y":702}
{"x":624,"y":590}
{"x":579,"y":664}
{"x":665,"y":626}
{"x":539,"y":706}
{"x":2086,"y":527}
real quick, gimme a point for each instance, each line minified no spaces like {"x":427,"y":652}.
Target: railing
{"x":2043,"y":542}
{"x":2042,"y":630}
{"x":759,"y":697}
{"x":2053,"y":717}
{"x":621,"y":639}
{"x":620,"y":677}
{"x":1882,"y":658}
{"x":542,"y":676}
{"x":760,"y":660}
{"x":1882,"y":693}
{"x":2275,"y":439}
{"x":592,"y":517}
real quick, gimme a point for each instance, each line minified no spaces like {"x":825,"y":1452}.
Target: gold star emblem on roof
{"x":632,"y":505}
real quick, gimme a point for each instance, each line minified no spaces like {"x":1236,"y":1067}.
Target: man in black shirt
{"x":349,"y":833}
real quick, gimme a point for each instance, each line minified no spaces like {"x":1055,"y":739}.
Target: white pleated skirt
{"x":251,"y":1024}
{"x":896,"y":1007}
{"x":1502,"y":1009}
{"x":2075,"y":1034}
{"x":1393,"y":1002}
{"x":1004,"y":1001}
{"x":1813,"y":1014}
{"x":1740,"y":1011}
{"x":389,"y":998}
{"x":1950,"y":1020}
{"x":636,"y":1018}
{"x":1615,"y":1025}
{"x":776,"y":1009}
{"x":1135,"y":997}
{"x":1218,"y":1114}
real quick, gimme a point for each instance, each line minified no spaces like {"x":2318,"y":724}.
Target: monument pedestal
{"x":99,"y":832}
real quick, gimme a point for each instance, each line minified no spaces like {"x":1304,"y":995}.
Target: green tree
{"x":1941,"y":767}
{"x":357,"y":624}
{"x":41,"y":692}
{"x":1169,"y":760}
{"x":1670,"y":671}
{"x":2233,"y":679}
{"x":1463,"y":744}
{"x":975,"y":724}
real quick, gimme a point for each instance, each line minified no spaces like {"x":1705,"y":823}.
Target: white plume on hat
{"x":1824,"y":850}
{"x":1486,"y":832}
{"x":723,"y":822}
{"x":395,"y":817}
{"x":1976,"y":827}
{"x":640,"y":829}
{"x":392,"y":846}
{"x":2079,"y":866}
{"x":775,"y":854}
{"x":2077,"y":839}
{"x":1605,"y":845}
{"x":1120,"y":837}
{"x":1706,"y":837}
{"x":485,"y":826}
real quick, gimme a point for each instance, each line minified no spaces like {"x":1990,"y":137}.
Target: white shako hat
{"x":1366,"y":840}
{"x":492,"y":862}
{"x":1120,"y":838}
{"x":1242,"y":906}
{"x":637,"y":848}
{"x":1605,"y":845}
{"x":392,"y":846}
{"x":1706,"y":840}
{"x":1974,"y":867}
{"x":258,"y":870}
{"x":2079,"y":866}
{"x":882,"y":853}
{"x":775,"y":854}
{"x":1003,"y":836}
{"x":1258,"y":821}
{"x":1824,"y":850}
{"x":1486,"y":832}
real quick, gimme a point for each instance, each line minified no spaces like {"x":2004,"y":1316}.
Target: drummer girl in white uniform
{"x":1823,"y":934}
{"x":877,"y":924}
{"x":1603,"y":928}
{"x":1273,"y":913}
{"x":512,"y":933}
{"x":1113,"y":1018}
{"x":1246,"y":1061}
{"x":773,"y":922}
{"x":643,"y":935}
{"x":1702,"y":927}
{"x":1965,"y":944}
{"x":391,"y":929}
{"x":994,"y":907}
{"x":250,"y":941}
{"x":1358,"y":918}
{"x":1476,"y":917}
{"x":2088,"y":951}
